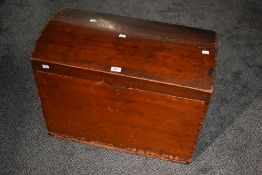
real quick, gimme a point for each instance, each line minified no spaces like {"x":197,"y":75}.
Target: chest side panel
{"x":133,"y":120}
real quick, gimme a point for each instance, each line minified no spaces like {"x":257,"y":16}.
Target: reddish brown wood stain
{"x":154,"y":106}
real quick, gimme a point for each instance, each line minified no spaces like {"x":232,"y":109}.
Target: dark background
{"x":231,"y":139}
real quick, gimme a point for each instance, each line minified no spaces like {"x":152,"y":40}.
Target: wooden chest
{"x":124,"y":83}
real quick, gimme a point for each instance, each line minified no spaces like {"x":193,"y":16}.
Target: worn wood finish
{"x":154,"y":106}
{"x":143,"y":53}
{"x":132,"y":119}
{"x":123,"y":81}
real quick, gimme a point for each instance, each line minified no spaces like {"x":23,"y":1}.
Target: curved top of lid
{"x":154,"y":51}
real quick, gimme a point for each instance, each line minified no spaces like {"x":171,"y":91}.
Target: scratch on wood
{"x":110,"y":109}
{"x":42,"y":79}
{"x":44,"y":95}
{"x":118,"y":85}
{"x":117,"y":91}
{"x":94,"y":103}
{"x":120,"y":102}
{"x":167,"y":37}
{"x":93,"y":91}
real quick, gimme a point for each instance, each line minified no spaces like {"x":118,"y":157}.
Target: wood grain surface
{"x":140,"y":121}
{"x":154,"y":106}
{"x":144,"y":53}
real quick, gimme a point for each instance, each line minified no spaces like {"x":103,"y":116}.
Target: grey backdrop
{"x":231,"y":139}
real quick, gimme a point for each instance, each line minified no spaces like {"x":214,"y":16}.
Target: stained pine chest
{"x":123,"y":83}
